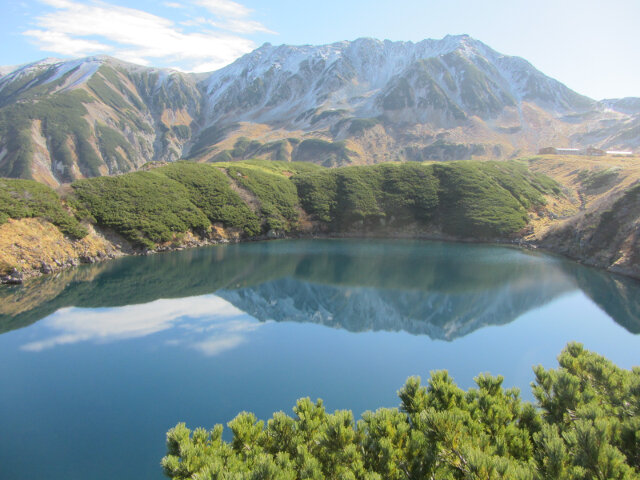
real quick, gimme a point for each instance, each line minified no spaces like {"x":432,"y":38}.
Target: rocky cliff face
{"x":365,"y":101}
{"x":597,"y":219}
{"x":433,"y":81}
{"x":607,"y":234}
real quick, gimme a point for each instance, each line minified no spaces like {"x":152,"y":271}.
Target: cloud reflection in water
{"x":208,"y":324}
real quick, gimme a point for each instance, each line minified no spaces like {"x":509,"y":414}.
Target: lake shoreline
{"x":120,"y":248}
{"x":343,"y":319}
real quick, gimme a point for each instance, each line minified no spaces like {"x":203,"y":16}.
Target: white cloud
{"x":216,"y":345}
{"x":241,"y":26}
{"x":58,"y":3}
{"x":224,"y":8}
{"x":60,"y":42}
{"x":77,"y":28}
{"x":221,"y":324}
{"x":205,"y":67}
{"x":236,"y":25}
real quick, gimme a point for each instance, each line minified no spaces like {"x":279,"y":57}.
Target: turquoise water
{"x":98,"y":363}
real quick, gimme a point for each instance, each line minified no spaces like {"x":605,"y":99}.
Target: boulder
{"x":14,"y":278}
{"x":44,"y":268}
{"x":275,"y":234}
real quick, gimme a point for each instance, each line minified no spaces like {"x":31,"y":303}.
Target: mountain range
{"x":359,"y":102}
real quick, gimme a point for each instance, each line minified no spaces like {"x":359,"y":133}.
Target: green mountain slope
{"x":59,"y":122}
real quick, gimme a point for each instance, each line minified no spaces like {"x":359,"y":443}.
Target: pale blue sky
{"x":590,"y":45}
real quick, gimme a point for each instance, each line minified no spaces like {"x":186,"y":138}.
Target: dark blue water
{"x":98,"y":363}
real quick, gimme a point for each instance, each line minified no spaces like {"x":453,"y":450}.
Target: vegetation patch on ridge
{"x":469,"y":199}
{"x":209,"y":190}
{"x":144,"y":207}
{"x":594,"y":180}
{"x":61,"y":119}
{"x":27,"y":198}
{"x":481,"y":200}
{"x":474,"y":203}
{"x":276,"y":193}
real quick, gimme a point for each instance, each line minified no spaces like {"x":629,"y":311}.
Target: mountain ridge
{"x":360,"y":102}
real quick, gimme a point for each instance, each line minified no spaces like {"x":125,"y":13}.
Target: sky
{"x":589,"y":45}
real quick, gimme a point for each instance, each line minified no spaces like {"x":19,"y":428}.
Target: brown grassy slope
{"x":26,"y":243}
{"x":604,"y":228}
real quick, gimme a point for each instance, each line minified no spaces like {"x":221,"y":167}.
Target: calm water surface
{"x":98,"y":363}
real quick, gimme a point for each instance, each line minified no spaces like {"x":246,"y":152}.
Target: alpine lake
{"x":98,"y":362}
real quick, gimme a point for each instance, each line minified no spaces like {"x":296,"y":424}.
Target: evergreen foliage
{"x":359,"y":125}
{"x":276,"y":194}
{"x":481,"y":200}
{"x":441,"y":150}
{"x":106,"y":93}
{"x":26,"y":199}
{"x":585,"y":426}
{"x":209,"y":136}
{"x":365,"y":195}
{"x":316,"y":150}
{"x":182,"y":132}
{"x":473,"y":203}
{"x":594,"y":180}
{"x":470,"y":199}
{"x":282,"y":167}
{"x":112,"y":143}
{"x":209,"y":190}
{"x":247,"y":149}
{"x":144,"y":207}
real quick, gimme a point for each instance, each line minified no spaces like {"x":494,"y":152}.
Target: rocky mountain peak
{"x":360,"y":101}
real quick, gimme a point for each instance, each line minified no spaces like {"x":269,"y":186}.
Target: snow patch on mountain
{"x":288,"y":84}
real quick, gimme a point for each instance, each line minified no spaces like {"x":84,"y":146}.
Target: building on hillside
{"x":589,"y":152}
{"x":560,"y":151}
{"x":547,"y":151}
{"x":619,"y":153}
{"x":569,"y":151}
{"x":594,"y":152}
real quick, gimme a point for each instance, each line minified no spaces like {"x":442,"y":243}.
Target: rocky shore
{"x":36,"y":262}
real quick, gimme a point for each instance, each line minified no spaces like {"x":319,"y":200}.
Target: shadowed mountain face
{"x":364,"y":101}
{"x":442,"y":290}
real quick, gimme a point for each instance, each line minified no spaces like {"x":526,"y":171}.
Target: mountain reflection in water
{"x":437,"y":289}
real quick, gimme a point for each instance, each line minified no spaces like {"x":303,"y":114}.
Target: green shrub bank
{"x":350,"y":196}
{"x":593,"y":180}
{"x":152,"y":207}
{"x":360,"y":125}
{"x":469,"y":199}
{"x":584,"y":425}
{"x":26,"y":199}
{"x":209,"y":190}
{"x":482,"y":200}
{"x":281,"y":167}
{"x":276,"y":194}
{"x":473,"y":203}
{"x":144,"y":207}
